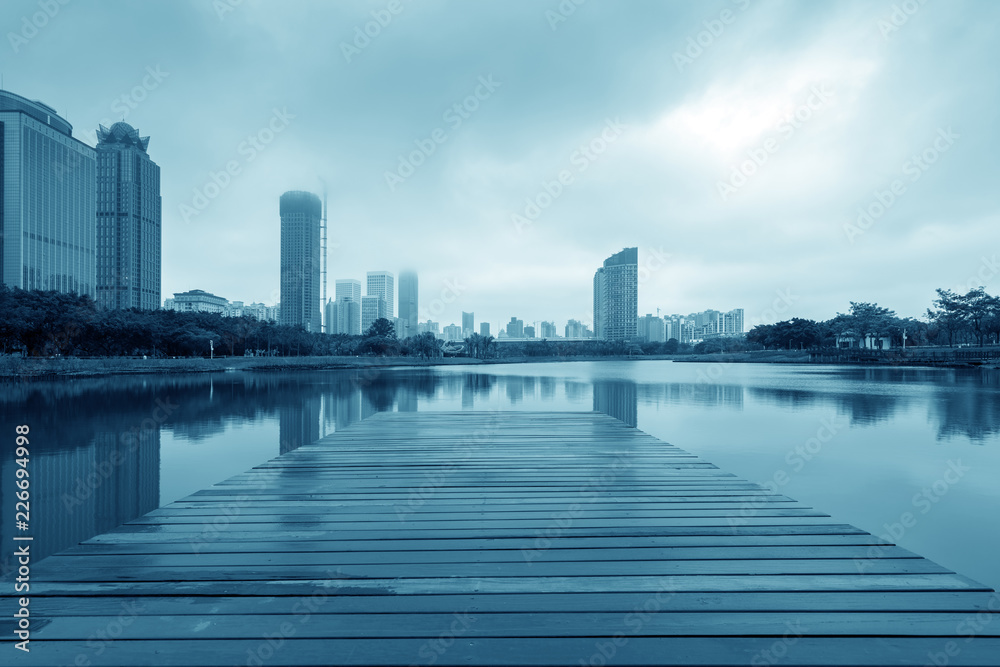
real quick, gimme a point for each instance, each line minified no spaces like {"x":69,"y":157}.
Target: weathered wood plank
{"x":569,"y":537}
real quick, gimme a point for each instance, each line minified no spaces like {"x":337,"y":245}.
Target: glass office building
{"x":48,"y":200}
{"x":128,"y":220}
{"x":300,"y":260}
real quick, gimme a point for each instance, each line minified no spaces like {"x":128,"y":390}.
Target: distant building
{"x":258,"y":311}
{"x":372,"y":308}
{"x":128,"y":220}
{"x":484,"y":328}
{"x":652,"y":329}
{"x":428,"y":327}
{"x":197,"y":301}
{"x":529,"y":331}
{"x":616,"y":296}
{"x":381,"y":283}
{"x":408,"y":304}
{"x":48,"y":201}
{"x":548,"y":329}
{"x":346,"y":288}
{"x":574,"y":329}
{"x":453,"y":332}
{"x":344,"y":315}
{"x":515,"y":328}
{"x":468,"y":323}
{"x":734,"y":321}
{"x":301,"y":214}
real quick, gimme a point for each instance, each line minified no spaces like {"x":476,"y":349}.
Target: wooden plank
{"x":957,"y":602}
{"x":636,"y":651}
{"x":570,"y":537}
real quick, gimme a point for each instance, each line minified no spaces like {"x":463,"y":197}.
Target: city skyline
{"x":839,"y":161}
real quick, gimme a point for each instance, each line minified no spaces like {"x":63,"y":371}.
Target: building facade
{"x":197,"y":301}
{"x":468,"y":323}
{"x":616,"y":296}
{"x":301,"y":214}
{"x":484,"y":328}
{"x":408,"y":305}
{"x":128,"y":220}
{"x":515,"y":328}
{"x":652,"y":329}
{"x":372,"y":308}
{"x":48,"y":201}
{"x":381,"y":284}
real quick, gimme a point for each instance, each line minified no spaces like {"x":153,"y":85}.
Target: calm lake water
{"x":865,"y":445}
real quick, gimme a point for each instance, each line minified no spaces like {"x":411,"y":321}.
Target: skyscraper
{"x":468,"y":323}
{"x":48,"y":201}
{"x":408,"y":304}
{"x":372,"y":308}
{"x":128,"y":220}
{"x":381,"y":283}
{"x":300,"y":260}
{"x":616,"y":296}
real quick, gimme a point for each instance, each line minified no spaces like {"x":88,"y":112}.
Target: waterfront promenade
{"x":511,"y":538}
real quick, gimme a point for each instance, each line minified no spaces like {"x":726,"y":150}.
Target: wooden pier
{"x":512,"y":538}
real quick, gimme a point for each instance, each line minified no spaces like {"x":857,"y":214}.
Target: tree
{"x":381,"y":328}
{"x":865,"y":320}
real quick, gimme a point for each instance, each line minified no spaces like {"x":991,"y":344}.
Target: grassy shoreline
{"x":36,"y":368}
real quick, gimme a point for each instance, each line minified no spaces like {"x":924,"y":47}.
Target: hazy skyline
{"x":894,"y":102}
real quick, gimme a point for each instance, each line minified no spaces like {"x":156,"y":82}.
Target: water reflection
{"x":96,"y":459}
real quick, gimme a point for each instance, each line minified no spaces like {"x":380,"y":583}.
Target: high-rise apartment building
{"x":128,"y":220}
{"x":484,"y":328}
{"x":408,"y":304}
{"x":343,"y":315}
{"x":652,"y":329}
{"x":301,"y":214}
{"x":380,"y":283}
{"x":515,"y":328}
{"x":616,"y":296}
{"x":48,"y":201}
{"x":468,"y":323}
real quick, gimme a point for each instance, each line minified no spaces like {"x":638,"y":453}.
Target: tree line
{"x":972,"y":318}
{"x":47,"y":323}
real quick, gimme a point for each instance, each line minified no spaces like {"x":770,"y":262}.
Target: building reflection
{"x":618,"y":398}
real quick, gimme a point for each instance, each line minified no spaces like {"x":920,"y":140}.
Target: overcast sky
{"x":837,"y":104}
